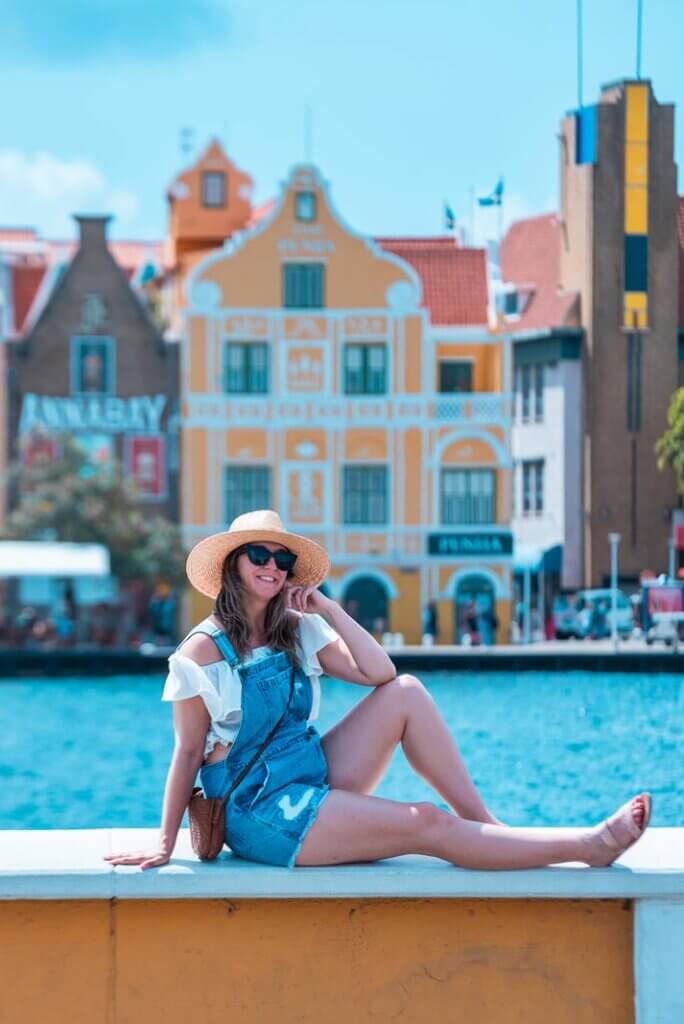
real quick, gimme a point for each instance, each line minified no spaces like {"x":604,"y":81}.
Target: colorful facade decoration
{"x":88,"y":363}
{"x":355,"y":385}
{"x":635,"y":303}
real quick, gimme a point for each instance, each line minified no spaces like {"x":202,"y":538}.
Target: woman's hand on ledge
{"x":145,"y":858}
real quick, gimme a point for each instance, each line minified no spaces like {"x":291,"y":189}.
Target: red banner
{"x":146,"y":464}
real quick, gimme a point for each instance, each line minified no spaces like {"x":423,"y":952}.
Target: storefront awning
{"x":527,"y":558}
{"x":48,"y":558}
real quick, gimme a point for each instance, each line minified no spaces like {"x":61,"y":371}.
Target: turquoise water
{"x":544,"y":748}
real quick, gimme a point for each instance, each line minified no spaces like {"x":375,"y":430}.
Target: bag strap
{"x":229,"y":653}
{"x":263,"y":746}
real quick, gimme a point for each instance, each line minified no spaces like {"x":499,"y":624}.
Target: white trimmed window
{"x":364,"y":495}
{"x":533,"y":487}
{"x":214,"y":189}
{"x":303,"y":285}
{"x":365,"y":369}
{"x":245,"y":368}
{"x":468,"y":496}
{"x":246,"y":488}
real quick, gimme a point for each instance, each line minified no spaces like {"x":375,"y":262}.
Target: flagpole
{"x":579,"y":54}
{"x":472,"y":215}
{"x":640,"y":20}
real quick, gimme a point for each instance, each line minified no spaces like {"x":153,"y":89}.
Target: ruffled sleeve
{"x":216,"y":684}
{"x":313,"y":634}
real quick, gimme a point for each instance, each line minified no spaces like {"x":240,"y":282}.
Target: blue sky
{"x":412,"y":101}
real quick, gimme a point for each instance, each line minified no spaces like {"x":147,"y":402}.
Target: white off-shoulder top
{"x":219,"y":685}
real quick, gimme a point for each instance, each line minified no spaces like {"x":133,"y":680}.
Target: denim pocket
{"x":213,"y":779}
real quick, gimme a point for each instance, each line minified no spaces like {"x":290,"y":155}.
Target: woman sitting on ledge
{"x":306,"y":799}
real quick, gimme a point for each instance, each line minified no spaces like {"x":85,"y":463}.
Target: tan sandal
{"x":619,"y":832}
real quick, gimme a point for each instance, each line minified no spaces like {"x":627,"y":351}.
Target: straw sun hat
{"x":205,"y":562}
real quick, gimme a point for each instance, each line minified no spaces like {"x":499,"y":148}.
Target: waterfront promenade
{"x":633,"y":655}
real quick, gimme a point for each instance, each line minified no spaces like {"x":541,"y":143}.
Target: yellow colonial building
{"x":355,"y":385}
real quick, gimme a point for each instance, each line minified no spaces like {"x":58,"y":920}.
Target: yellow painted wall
{"x":413,"y":335}
{"x":470,"y":451}
{"x":366,"y":443}
{"x":486,"y":361}
{"x":412,"y":455}
{"x":241,"y":443}
{"x":197,"y":331}
{"x":307,"y":961}
{"x":355,"y":268}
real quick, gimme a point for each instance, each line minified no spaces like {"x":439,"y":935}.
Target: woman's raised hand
{"x":145,"y":858}
{"x":307,"y":599}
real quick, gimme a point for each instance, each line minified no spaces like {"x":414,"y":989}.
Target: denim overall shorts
{"x":269,"y":813}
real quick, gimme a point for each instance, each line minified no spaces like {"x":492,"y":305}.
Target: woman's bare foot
{"x":609,"y":840}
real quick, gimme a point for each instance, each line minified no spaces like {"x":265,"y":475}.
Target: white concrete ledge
{"x":67,"y":864}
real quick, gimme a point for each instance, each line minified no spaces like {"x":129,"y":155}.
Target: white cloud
{"x":43,"y":191}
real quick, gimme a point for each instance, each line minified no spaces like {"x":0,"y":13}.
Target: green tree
{"x":70,"y":499}
{"x":670,"y":447}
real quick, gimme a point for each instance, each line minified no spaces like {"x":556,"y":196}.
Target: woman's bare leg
{"x":359,"y":747}
{"x":352,"y":827}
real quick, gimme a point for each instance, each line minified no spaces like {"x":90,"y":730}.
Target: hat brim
{"x":204,"y":566}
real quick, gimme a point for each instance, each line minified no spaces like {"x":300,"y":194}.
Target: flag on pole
{"x":449,"y":217}
{"x":494,"y":198}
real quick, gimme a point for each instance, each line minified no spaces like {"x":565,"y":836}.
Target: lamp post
{"x":671,"y":546}
{"x":614,"y":539}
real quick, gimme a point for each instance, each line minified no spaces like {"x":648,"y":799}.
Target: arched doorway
{"x":474,"y":610}
{"x":365,"y":599}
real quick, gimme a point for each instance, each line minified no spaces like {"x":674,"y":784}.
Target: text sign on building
{"x":470,"y":545}
{"x":91,"y":413}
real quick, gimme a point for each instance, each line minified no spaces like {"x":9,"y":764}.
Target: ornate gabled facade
{"x":316,"y":379}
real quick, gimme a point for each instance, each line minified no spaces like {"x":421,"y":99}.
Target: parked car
{"x":595,"y":612}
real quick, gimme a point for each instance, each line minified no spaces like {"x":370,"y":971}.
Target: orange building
{"x":355,"y":385}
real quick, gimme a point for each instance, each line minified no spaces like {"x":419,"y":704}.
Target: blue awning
{"x":528,"y":558}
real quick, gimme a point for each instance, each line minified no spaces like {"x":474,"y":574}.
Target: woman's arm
{"x":356,"y":657}
{"x":191,"y":721}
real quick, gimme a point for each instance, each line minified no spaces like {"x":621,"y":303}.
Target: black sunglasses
{"x":260,"y":555}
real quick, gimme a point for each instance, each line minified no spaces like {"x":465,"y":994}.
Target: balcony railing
{"x":484,"y":408}
{"x":478,"y":407}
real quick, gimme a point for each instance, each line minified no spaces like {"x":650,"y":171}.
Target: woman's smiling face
{"x":263,"y":581}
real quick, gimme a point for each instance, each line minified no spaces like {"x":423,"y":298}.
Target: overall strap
{"x":225,"y":647}
{"x":222,"y":642}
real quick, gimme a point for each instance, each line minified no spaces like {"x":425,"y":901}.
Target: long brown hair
{"x":280,"y":625}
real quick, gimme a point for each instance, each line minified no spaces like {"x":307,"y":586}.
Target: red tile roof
{"x":18,"y":235}
{"x":454,"y":278}
{"x":26,"y":280}
{"x":531,"y":258}
{"x":260,"y":213}
{"x":680,"y":235}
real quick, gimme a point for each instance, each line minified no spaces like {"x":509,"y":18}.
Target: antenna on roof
{"x":308,"y":132}
{"x":187,"y":141}
{"x":640,"y":21}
